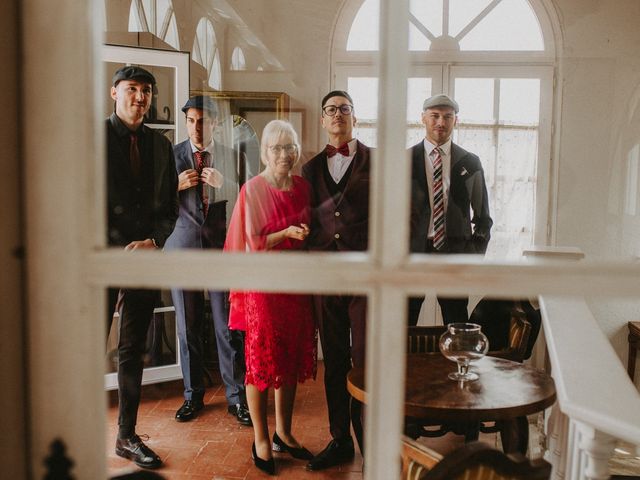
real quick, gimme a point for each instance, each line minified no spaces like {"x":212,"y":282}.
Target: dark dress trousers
{"x":139,"y":207}
{"x":340,"y":222}
{"x":195,"y":230}
{"x":467,"y":194}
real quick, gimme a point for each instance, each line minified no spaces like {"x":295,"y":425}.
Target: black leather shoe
{"x":337,"y":452}
{"x":134,"y":449}
{"x":188,"y":410}
{"x":267,"y":466}
{"x":241,"y":412}
{"x":281,"y":447}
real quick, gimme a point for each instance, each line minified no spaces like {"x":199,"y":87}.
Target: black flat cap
{"x":201,"y":102}
{"x":133,"y":72}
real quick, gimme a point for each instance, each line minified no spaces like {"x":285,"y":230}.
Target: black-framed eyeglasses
{"x":331,"y":110}
{"x":289,"y":148}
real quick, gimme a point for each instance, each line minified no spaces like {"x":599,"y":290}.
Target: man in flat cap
{"x":207,"y":187}
{"x":339,"y":175}
{"x":449,"y":203}
{"x":142,"y":210}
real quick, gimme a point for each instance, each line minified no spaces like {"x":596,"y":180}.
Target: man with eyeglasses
{"x":447,"y":185}
{"x":339,"y":176}
{"x":207,"y":188}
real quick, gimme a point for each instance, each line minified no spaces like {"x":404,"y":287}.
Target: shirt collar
{"x":120,"y":128}
{"x":353,"y":144}
{"x":208,"y":148}
{"x":445,"y":147}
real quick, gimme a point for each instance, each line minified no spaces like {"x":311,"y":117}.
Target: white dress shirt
{"x":338,"y":164}
{"x":429,"y":157}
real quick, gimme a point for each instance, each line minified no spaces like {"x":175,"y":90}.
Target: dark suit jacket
{"x":193,"y":229}
{"x":143,"y":207}
{"x":341,"y":221}
{"x":467,"y":193}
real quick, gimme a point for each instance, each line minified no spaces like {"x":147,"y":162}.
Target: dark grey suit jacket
{"x":193,"y":229}
{"x":467,"y":194}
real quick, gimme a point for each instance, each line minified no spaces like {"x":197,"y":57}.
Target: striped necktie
{"x":438,"y":201}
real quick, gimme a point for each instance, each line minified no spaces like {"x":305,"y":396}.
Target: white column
{"x":596,"y":448}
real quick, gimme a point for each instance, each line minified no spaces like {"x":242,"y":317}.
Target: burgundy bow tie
{"x":342,"y":150}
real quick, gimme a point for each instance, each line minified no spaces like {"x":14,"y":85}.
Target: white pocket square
{"x":463,"y":172}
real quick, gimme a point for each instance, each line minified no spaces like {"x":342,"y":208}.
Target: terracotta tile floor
{"x":215,"y":447}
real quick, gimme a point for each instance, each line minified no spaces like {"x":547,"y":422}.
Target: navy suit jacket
{"x":193,"y":229}
{"x":467,"y":193}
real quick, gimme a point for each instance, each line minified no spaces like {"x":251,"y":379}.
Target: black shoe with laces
{"x":241,"y":412}
{"x":188,"y":410}
{"x":134,"y":449}
{"x":337,"y":452}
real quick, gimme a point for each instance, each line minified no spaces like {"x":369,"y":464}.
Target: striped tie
{"x":438,"y":202}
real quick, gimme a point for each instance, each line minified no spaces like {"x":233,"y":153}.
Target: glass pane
{"x":519,"y":101}
{"x":364,"y":30}
{"x":364,"y":91}
{"x":462,"y":12}
{"x":511,"y":25}
{"x":160,"y":347}
{"x":429,"y":14}
{"x":418,"y":89}
{"x":417,"y":40}
{"x":475,"y":98}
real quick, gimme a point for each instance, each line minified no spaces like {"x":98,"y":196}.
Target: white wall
{"x":600,"y":64}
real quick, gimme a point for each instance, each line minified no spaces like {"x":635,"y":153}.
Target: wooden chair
{"x":473,"y":461}
{"x":425,"y":339}
{"x":516,"y":347}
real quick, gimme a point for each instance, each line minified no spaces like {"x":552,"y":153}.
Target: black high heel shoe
{"x":299,"y":453}
{"x":267,"y":466}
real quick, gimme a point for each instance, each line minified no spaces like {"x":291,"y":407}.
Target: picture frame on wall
{"x":241,"y":118}
{"x":171,"y":71}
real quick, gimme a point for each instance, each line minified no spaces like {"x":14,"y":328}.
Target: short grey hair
{"x":272,"y":132}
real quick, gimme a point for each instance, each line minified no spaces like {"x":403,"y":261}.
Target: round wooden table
{"x":506,"y":393}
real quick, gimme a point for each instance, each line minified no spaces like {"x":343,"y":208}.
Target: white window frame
{"x":68,"y":266}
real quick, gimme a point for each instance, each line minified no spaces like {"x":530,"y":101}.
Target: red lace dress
{"x":281,"y":335}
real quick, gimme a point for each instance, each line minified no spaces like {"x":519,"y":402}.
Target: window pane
{"x":429,"y":14}
{"x":364,"y":30}
{"x":417,"y":40}
{"x":461,"y":12}
{"x":512,"y":25}
{"x":364,"y":91}
{"x":475,"y":97}
{"x":520,"y":101}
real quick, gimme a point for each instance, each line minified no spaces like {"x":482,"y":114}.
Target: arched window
{"x":205,"y":52}
{"x":157,"y":17}
{"x":496,"y":58}
{"x":238,"y":61}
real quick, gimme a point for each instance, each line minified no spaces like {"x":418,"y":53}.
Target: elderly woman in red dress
{"x":273,"y":213}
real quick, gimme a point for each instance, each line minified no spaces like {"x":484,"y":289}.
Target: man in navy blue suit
{"x":207,"y":189}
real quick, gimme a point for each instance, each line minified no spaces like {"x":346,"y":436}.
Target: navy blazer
{"x":339,"y":222}
{"x":193,"y":229}
{"x":467,"y":193}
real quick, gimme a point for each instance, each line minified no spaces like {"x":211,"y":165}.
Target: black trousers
{"x":342,"y":335}
{"x":454,"y":310}
{"x":136,"y":310}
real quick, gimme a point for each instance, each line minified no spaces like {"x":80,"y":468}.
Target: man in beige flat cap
{"x":449,"y":203}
